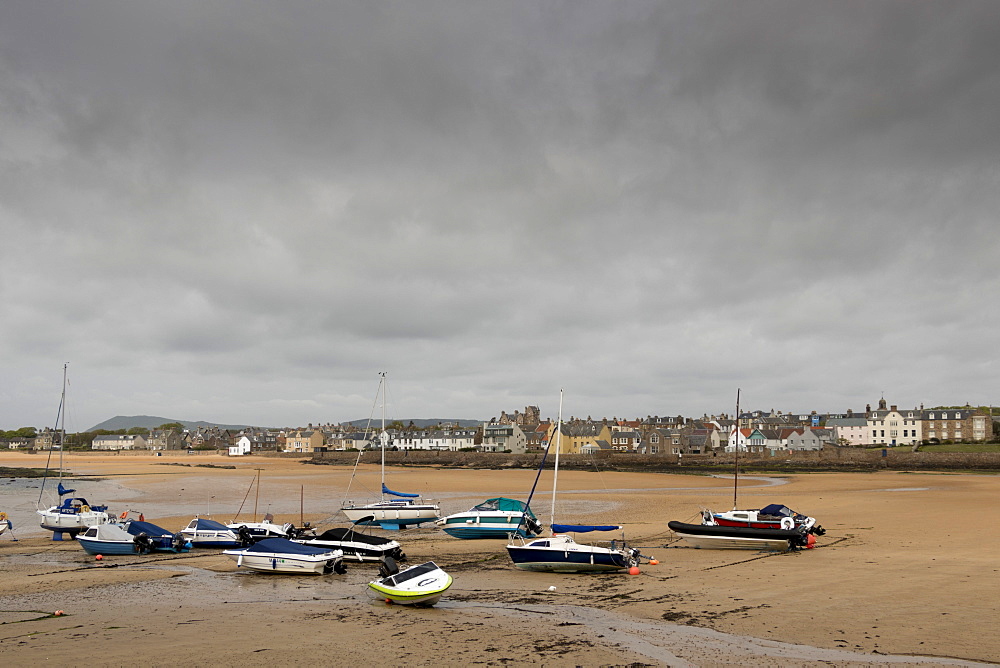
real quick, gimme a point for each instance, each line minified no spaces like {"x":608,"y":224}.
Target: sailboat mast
{"x":555,"y":474}
{"x":256,"y":496}
{"x":62,"y":431}
{"x":736,"y":459}
{"x":383,"y":437}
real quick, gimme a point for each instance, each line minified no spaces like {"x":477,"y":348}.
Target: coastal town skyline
{"x":121,"y":422}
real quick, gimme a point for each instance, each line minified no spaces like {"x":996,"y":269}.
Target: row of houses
{"x":525,"y":431}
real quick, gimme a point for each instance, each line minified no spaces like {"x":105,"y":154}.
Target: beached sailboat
{"x":420,"y":585}
{"x":774,"y":527}
{"x":72,"y":514}
{"x":560,"y":553}
{"x":493,"y":518}
{"x":279,"y":555}
{"x":405,"y":510}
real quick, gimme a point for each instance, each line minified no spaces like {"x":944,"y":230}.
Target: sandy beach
{"x":907,"y":573}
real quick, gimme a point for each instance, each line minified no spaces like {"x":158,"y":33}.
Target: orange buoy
{"x":58,"y":613}
{"x":634,"y":570}
{"x":99,"y":557}
{"x":653,"y":562}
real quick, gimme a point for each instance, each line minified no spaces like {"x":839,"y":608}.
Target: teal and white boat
{"x":493,"y":518}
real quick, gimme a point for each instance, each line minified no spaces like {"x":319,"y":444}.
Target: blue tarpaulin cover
{"x":62,"y":490}
{"x":583,"y":528}
{"x":284,"y":546}
{"x":386,"y":490}
{"x":136,"y":527}
{"x":210,"y":525}
{"x":778,"y":510}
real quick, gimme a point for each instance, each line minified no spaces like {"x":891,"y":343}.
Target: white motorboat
{"x":279,"y":555}
{"x":420,"y":585}
{"x":203,"y":532}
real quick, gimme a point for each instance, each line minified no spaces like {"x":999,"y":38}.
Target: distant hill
{"x":152,"y":422}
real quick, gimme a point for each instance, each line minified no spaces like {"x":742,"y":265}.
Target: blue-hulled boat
{"x":493,"y":518}
{"x":106,"y":539}
{"x":203,"y":532}
{"x":560,"y":553}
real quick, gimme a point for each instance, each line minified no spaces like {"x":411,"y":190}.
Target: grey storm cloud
{"x":243,"y":211}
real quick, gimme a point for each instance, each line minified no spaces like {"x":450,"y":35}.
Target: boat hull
{"x":476,"y":526}
{"x":284,"y":563}
{"x":558,"y":561}
{"x":716,"y":537}
{"x":561,"y":554}
{"x":71,"y":523}
{"x":202,"y":540}
{"x":484,"y":531}
{"x":106,"y":547}
{"x":391,"y":516}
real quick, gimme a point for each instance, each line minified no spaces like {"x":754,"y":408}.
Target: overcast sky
{"x":242,"y":212}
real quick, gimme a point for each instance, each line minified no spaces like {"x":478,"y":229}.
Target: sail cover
{"x":583,"y":528}
{"x":386,"y":490}
{"x":63,"y":491}
{"x":284,"y":546}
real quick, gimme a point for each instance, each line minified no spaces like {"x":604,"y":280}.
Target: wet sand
{"x":907,"y":573}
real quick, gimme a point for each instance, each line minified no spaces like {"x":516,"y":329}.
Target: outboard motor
{"x":142,"y":544}
{"x":388,"y":567}
{"x":178,"y":541}
{"x":246,"y":538}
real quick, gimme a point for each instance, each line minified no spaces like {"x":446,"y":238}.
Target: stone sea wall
{"x":834,"y":459}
